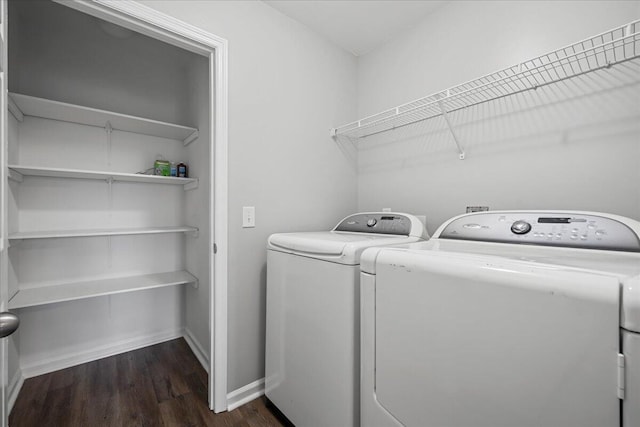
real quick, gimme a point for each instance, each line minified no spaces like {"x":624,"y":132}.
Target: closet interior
{"x":104,"y":256}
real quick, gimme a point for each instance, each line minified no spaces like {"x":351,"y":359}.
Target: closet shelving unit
{"x":24,"y":105}
{"x":16,"y":172}
{"x":599,"y":52}
{"x":41,"y":294}
{"x":57,"y":234}
{"x":49,"y":294}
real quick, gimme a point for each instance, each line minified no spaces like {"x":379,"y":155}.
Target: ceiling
{"x":358,"y":26}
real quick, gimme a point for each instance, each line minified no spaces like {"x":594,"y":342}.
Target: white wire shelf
{"x":24,"y":105}
{"x":595,"y":53}
{"x":50,"y":294}
{"x":17,"y":172}
{"x":56,"y":234}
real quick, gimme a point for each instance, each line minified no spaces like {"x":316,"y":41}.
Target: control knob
{"x":371,"y":222}
{"x":520,"y":227}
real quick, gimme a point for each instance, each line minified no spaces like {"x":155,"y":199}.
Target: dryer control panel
{"x":380,"y":223}
{"x":564,"y":229}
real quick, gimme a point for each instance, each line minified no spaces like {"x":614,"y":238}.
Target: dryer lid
{"x":335,"y":246}
{"x":355,"y":233}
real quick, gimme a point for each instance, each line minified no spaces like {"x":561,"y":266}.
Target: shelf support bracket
{"x":192,"y":185}
{"x":445,"y":115}
{"x":109,"y":129}
{"x":333,"y":133}
{"x":13,"y":242}
{"x":193,"y":233}
{"x":15,"y":176}
{"x":188,"y":140}
{"x":14,"y":109}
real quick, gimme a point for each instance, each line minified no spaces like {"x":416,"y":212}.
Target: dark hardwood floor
{"x":160,"y":385}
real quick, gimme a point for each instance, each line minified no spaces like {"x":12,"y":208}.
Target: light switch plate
{"x":248,"y":217}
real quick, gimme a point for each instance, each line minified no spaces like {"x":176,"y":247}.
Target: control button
{"x":372,"y":222}
{"x":520,"y":227}
{"x":558,"y":236}
{"x":591,"y":226}
{"x":574,"y":237}
{"x":575,"y":230}
{"x":583,"y":237}
{"x":550,"y":235}
{"x":600,"y":232}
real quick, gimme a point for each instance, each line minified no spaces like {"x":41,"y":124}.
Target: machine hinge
{"x":215,"y":248}
{"x":621,"y":382}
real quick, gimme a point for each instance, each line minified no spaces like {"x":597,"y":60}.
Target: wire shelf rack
{"x":599,"y":52}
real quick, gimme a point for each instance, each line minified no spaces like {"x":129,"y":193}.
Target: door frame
{"x":4,"y":346}
{"x":155,"y":24}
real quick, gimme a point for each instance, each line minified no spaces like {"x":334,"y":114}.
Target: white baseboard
{"x":13,"y":389}
{"x":197,"y":349}
{"x":77,"y":358}
{"x":245,"y":394}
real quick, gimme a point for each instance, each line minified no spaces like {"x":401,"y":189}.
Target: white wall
{"x":287,"y":88}
{"x":524,"y":152}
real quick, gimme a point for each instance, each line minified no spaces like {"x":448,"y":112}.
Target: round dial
{"x":521,"y":227}
{"x":372,"y":222}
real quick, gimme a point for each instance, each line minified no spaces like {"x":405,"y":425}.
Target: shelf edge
{"x":188,"y":278}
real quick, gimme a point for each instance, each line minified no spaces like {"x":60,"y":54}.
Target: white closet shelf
{"x":50,"y":294}
{"x":17,"y":171}
{"x":56,"y":234}
{"x":595,"y":53}
{"x":24,"y":105}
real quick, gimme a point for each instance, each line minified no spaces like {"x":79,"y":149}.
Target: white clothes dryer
{"x":313,"y":313}
{"x":505,"y":319}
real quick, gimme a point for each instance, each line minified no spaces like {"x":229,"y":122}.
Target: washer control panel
{"x":379,"y":223}
{"x":573,"y":229}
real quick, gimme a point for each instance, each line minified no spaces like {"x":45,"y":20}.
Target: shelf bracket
{"x":188,"y":140}
{"x":15,"y":176}
{"x":109,"y":129}
{"x":333,"y":133}
{"x":192,"y":185}
{"x":195,"y":283}
{"x":14,"y":109}
{"x":193,"y":233}
{"x":445,"y":115}
{"x":13,"y":242}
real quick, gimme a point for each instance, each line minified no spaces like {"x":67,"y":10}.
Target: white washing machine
{"x":505,"y":319}
{"x":313,"y":313}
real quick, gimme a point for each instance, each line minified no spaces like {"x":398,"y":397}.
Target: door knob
{"x":9,"y":322}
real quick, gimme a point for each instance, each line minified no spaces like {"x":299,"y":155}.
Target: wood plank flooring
{"x":160,"y":385}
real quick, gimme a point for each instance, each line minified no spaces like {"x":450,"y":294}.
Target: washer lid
{"x":334,"y":246}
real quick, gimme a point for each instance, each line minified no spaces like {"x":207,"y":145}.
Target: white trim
{"x":197,"y":349}
{"x":75,"y":358}
{"x":160,"y":26}
{"x":219,"y":236}
{"x":245,"y":394}
{"x":13,"y":389}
